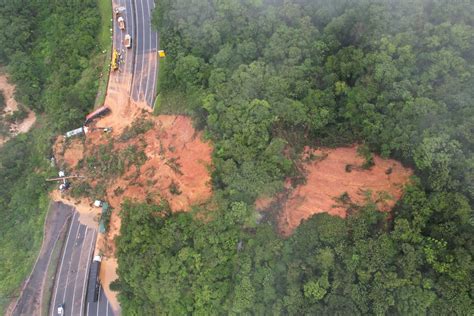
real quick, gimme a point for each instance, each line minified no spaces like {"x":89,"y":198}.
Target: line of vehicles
{"x":127,"y":39}
{"x":93,"y":285}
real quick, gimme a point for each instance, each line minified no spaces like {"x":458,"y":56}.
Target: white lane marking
{"x":49,"y":262}
{"x":61,"y":266}
{"x":157,"y":60}
{"x":138,"y":40}
{"x":143,"y":53}
{"x":153,"y":87}
{"x":70,"y":260}
{"x":98,"y":301}
{"x":128,"y":4}
{"x":107,"y":310}
{"x":77,"y":273}
{"x":149,"y":25}
{"x":155,"y":50}
{"x":120,"y":44}
{"x":87,"y":274}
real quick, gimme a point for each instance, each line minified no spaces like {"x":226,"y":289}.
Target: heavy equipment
{"x":115,"y":60}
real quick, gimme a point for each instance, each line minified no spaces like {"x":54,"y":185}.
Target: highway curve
{"x":57,"y":221}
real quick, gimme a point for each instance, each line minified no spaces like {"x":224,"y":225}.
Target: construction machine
{"x":115,"y":60}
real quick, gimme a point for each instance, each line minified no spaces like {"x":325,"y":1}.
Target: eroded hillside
{"x":337,"y":180}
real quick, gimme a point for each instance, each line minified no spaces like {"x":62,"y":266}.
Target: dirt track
{"x":30,"y":300}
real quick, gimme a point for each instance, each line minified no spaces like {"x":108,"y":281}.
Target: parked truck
{"x":94,"y":282}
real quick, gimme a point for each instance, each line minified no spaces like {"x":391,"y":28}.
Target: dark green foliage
{"x":17,"y":116}
{"x":139,"y":126}
{"x":3,"y":103}
{"x":396,"y":76}
{"x":365,"y":153}
{"x":105,"y":162}
{"x":177,"y":263}
{"x":389,"y":74}
{"x":48,"y":48}
{"x":23,"y":205}
{"x":81,"y":189}
{"x":174,"y":188}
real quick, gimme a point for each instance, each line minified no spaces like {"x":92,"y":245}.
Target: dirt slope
{"x":327,"y":181}
{"x":176,"y":168}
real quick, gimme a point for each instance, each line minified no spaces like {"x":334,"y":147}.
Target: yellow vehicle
{"x":114,"y":61}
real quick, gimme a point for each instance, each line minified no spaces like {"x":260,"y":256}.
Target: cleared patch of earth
{"x":11,"y":106}
{"x":330,"y":182}
{"x":176,"y":168}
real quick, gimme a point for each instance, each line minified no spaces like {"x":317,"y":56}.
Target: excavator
{"x":115,"y":60}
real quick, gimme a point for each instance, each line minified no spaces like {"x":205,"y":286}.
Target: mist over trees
{"x":261,"y":76}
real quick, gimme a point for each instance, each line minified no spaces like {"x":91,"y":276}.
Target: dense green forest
{"x":267,"y":75}
{"x":50,"y":52}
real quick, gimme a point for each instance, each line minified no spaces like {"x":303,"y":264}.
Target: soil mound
{"x":174,"y":161}
{"x":335,"y":178}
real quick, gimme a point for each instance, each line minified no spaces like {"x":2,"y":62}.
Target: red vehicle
{"x":103,"y":110}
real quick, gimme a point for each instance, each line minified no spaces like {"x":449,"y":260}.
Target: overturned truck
{"x":103,"y":110}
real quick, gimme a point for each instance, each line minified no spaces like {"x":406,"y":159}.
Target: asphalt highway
{"x":126,"y":60}
{"x":146,"y":50}
{"x":73,"y":270}
{"x":56,"y":224}
{"x":101,"y":307}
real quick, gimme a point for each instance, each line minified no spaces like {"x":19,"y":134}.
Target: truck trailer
{"x":94,"y":282}
{"x":103,"y":110}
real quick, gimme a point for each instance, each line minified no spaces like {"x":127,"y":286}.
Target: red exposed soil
{"x":74,"y":152}
{"x":11,"y":106}
{"x":176,"y":156}
{"x":327,"y":179}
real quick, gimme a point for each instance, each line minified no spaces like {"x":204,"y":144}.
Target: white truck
{"x":121,"y":22}
{"x":127,"y":41}
{"x":119,"y":16}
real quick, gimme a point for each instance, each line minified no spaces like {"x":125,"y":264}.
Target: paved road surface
{"x":73,"y":270}
{"x":141,"y":61}
{"x":57,"y":220}
{"x":101,"y":307}
{"x":146,"y":48}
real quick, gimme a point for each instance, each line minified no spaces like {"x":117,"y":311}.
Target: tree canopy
{"x":264,"y":78}
{"x":48,"y":50}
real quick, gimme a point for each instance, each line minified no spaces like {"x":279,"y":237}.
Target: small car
{"x":60,"y":309}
